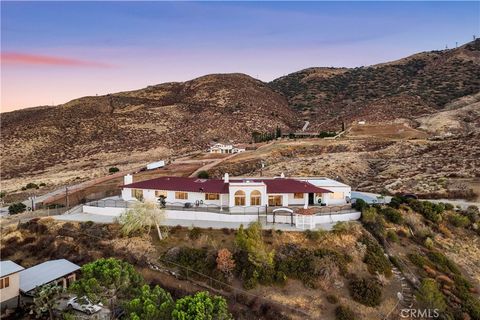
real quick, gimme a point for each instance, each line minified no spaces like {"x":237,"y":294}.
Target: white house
{"x":237,"y":194}
{"x":225,"y":148}
{"x":9,"y":285}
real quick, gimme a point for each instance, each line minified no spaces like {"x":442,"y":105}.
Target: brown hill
{"x":417,"y":85}
{"x":162,"y":118}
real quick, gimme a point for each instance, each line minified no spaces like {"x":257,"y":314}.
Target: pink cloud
{"x":34,"y":59}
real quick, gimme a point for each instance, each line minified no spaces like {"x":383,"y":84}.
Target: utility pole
{"x":66,"y":197}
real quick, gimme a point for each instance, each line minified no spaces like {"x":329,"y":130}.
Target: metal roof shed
{"x":45,"y":273}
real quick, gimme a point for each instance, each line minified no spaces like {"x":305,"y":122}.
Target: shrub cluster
{"x":392,"y":215}
{"x":344,"y":313}
{"x":366,"y":291}
{"x":374,"y":257}
{"x":16,"y":208}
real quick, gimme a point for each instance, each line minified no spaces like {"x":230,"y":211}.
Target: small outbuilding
{"x":59,"y":271}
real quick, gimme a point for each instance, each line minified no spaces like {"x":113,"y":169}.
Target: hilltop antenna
{"x":456,"y":44}
{"x":474,"y":37}
{"x":446,"y":46}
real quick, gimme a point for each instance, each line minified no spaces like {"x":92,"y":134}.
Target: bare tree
{"x":142,"y":218}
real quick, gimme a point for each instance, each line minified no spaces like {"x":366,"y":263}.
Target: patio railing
{"x":236,"y":210}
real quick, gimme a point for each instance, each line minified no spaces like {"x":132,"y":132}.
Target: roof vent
{"x":226,"y":178}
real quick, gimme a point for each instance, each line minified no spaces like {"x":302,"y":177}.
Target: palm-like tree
{"x":142,"y":217}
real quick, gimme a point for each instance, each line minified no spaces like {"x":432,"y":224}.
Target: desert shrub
{"x":359,"y":205}
{"x":375,"y":258}
{"x":344,"y":313}
{"x":428,"y":243}
{"x":473,"y":214}
{"x":298,"y":263}
{"x":331,"y":298}
{"x":67,"y":229}
{"x":430,"y":295}
{"x":366,"y":291}
{"x":31,"y":185}
{"x":197,"y":259}
{"x":376,"y":227}
{"x":314,"y":235}
{"x":396,"y":262}
{"x":16,"y":208}
{"x":34,"y":226}
{"x":194,"y":233}
{"x":458,"y":220}
{"x":309,"y":266}
{"x":226,"y":231}
{"x":397,"y":201}
{"x":392,"y":236}
{"x":418,"y":260}
{"x":369,"y":215}
{"x":203,"y":174}
{"x":442,"y":263}
{"x":449,"y":206}
{"x":431,"y":211}
{"x":392,"y":215}
{"x":113,"y":169}
{"x":42,"y":184}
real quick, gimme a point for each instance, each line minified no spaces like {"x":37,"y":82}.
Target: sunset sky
{"x":53,"y":52}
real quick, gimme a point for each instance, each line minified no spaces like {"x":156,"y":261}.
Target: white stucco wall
{"x":12,"y":290}
{"x":337,"y":188}
{"x":247,"y":187}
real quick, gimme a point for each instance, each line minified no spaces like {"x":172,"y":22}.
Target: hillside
{"x":417,"y":85}
{"x":151,"y":122}
{"x":428,"y":94}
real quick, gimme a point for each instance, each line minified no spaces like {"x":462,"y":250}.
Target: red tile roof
{"x":182,"y":184}
{"x":278,"y":185}
{"x":282,"y":185}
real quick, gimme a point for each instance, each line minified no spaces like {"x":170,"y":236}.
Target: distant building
{"x":362,"y":122}
{"x":155,"y":165}
{"x":225,"y":148}
{"x":9,"y":285}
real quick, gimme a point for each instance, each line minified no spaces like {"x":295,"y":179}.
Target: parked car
{"x":83,"y":304}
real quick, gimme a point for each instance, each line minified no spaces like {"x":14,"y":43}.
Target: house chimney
{"x":282,"y":175}
{"x":128,"y":179}
{"x":225,"y":178}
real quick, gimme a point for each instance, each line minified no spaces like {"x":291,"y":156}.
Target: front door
{"x":311,"y":198}
{"x":275,"y":201}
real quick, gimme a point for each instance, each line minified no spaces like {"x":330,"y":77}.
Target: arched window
{"x":240,"y":198}
{"x":255,"y":198}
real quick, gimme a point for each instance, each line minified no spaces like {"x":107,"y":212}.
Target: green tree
{"x":113,"y":169}
{"x":108,"y":280}
{"x":141,"y":218}
{"x":15,"y":208}
{"x":430,"y":295}
{"x":46,"y":300}
{"x":278,"y":132}
{"x":150,"y":304}
{"x":201,"y":306}
{"x":203,"y":174}
{"x":251,"y":241}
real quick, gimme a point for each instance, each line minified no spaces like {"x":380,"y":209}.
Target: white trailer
{"x":155,"y":165}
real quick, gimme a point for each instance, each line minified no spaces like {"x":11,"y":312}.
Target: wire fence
{"x":235,"y":294}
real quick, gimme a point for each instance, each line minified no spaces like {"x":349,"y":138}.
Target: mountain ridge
{"x":180,"y":117}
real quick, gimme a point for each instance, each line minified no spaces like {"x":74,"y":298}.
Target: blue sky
{"x":62,"y":50}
